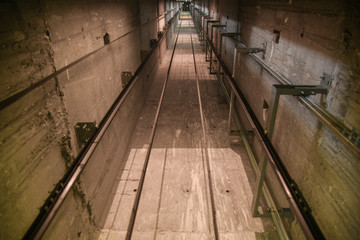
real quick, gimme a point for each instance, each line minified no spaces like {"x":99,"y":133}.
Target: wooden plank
{"x":120,"y":210}
{"x":232,"y":194}
{"x":184,"y":207}
{"x":149,"y":203}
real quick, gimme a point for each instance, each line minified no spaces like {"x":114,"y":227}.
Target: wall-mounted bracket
{"x":283,"y":212}
{"x":294,"y":90}
{"x":203,"y":19}
{"x":206,"y":43}
{"x":326,"y":80}
{"x":153,"y":43}
{"x":250,"y":50}
{"x":84,"y":132}
{"x":211,"y":39}
{"x":229,"y":34}
{"x":226,"y":34}
{"x":277,"y":91}
{"x":125,"y":78}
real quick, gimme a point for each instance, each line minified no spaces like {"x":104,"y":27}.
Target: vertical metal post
{"x":232,"y":99}
{"x":220,"y":49}
{"x":260,"y":177}
{"x":211,"y":40}
{"x":234,"y":62}
{"x":274,"y":104}
{"x":261,"y":174}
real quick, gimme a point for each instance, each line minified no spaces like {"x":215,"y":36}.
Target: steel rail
{"x":61,"y":190}
{"x":149,"y":147}
{"x":306,"y":220}
{"x":204,"y":146}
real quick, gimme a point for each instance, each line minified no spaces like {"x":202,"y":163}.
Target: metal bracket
{"x":153,"y":43}
{"x":211,"y":39}
{"x":84,"y":131}
{"x":230,"y":34}
{"x":125,"y":78}
{"x":283,"y":212}
{"x":294,"y":90}
{"x":218,"y":26}
{"x":277,"y":90}
{"x":250,"y":50}
{"x":243,"y":50}
{"x":206,"y":43}
{"x":326,"y":80}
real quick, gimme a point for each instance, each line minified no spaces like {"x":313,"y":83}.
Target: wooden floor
{"x":175,"y":202}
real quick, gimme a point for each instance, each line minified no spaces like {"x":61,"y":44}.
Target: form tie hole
{"x":227,"y":190}
{"x":135,"y":190}
{"x":302,"y":33}
{"x":106,"y":39}
{"x":277,"y":36}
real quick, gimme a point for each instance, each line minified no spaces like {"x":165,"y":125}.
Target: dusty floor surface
{"x":175,"y":202}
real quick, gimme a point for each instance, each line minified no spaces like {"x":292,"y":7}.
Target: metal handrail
{"x":306,"y":220}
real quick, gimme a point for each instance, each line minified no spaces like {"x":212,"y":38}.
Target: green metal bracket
{"x":294,"y":90}
{"x":125,"y":78}
{"x":276,"y":92}
{"x":212,"y":60}
{"x":207,"y":45}
{"x":283,"y":212}
{"x":250,"y":50}
{"x":84,"y":131}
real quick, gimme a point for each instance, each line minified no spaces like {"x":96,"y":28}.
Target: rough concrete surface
{"x":315,"y":37}
{"x":38,"y":140}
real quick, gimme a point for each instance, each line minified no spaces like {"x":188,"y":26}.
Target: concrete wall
{"x":315,"y":37}
{"x":148,"y":23}
{"x":92,"y":195}
{"x":95,"y":188}
{"x":37,"y":136}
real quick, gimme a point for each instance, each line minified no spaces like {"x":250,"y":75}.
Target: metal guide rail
{"x":291,"y":190}
{"x":149,"y":147}
{"x":204,"y":146}
{"x":57,"y":196}
{"x":151,"y":140}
